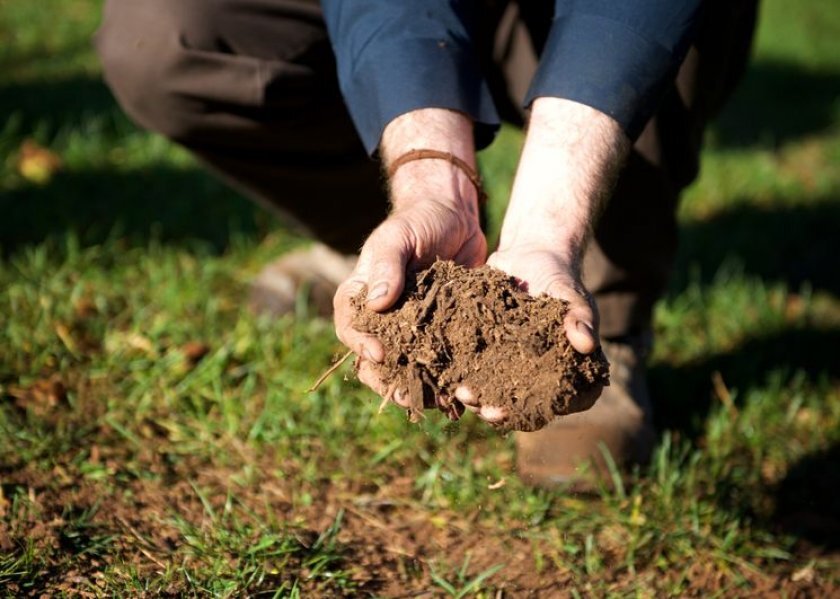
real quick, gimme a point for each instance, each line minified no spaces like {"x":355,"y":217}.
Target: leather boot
{"x":316,"y":270}
{"x":569,"y":450}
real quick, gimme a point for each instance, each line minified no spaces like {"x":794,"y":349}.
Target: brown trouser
{"x":249,"y":86}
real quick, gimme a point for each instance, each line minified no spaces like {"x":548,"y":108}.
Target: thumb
{"x":581,"y":334}
{"x":386,"y":263}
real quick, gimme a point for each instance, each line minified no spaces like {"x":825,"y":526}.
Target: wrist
{"x":551,"y":222}
{"x":570,"y":160}
{"x":435,"y":180}
{"x":433,"y":128}
{"x":439,"y":179}
{"x":566,"y":251}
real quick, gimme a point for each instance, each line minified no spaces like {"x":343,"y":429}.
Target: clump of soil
{"x":455,"y":326}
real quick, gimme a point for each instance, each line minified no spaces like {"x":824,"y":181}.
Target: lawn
{"x":158,"y":439}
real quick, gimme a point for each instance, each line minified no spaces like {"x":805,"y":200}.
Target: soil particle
{"x":455,"y":326}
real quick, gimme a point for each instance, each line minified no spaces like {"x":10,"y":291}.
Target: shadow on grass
{"x":806,"y":499}
{"x":794,"y":244}
{"x":57,"y":103}
{"x":161,"y":202}
{"x":797,"y":245}
{"x":170,"y":205}
{"x":778,"y":102}
{"x":683,"y":394}
{"x":804,"y":504}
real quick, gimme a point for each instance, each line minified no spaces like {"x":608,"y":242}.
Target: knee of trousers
{"x":146,"y":65}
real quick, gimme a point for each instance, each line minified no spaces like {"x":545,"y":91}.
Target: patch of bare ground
{"x":386,"y":543}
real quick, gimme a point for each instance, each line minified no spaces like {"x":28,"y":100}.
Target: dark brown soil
{"x":455,"y":326}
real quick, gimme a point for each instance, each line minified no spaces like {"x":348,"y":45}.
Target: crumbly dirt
{"x":455,"y":326}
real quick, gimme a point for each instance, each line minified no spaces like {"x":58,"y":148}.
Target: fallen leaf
{"x":139,"y":342}
{"x":36,"y":163}
{"x":805,"y":574}
{"x":66,"y":337}
{"x":84,"y":308}
{"x":194,"y":351}
{"x":117,"y":342}
{"x":42,"y":397}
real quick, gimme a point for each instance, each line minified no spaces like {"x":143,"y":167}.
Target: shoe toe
{"x":570,"y":450}
{"x":316,"y":272}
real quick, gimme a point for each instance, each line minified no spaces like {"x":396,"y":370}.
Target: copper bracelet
{"x":412,"y":155}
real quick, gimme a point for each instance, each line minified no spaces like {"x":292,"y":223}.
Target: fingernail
{"x":586,"y":328}
{"x":379,"y":291}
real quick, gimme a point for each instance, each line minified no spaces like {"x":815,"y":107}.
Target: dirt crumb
{"x":455,"y":326}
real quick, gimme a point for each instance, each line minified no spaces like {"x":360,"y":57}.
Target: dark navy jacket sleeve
{"x":395,"y":56}
{"x":615,"y":55}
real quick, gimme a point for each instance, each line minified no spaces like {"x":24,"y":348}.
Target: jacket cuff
{"x":420,"y":73}
{"x":605,"y":64}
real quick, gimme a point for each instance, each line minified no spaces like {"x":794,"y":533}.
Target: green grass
{"x":128,"y":466}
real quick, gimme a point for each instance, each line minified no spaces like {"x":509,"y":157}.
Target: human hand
{"x":435,"y":215}
{"x":571,"y":157}
{"x":411,"y":238}
{"x":545,"y":270}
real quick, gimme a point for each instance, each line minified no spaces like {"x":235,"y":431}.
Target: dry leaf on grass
{"x":36,"y":163}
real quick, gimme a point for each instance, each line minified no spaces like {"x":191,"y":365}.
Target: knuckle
{"x":339,"y":332}
{"x":579,"y":305}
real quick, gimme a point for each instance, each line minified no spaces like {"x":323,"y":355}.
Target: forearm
{"x":569,"y":164}
{"x":438,"y":179}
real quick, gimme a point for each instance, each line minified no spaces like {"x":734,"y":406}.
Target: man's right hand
{"x":435,"y":215}
{"x":410,"y":239}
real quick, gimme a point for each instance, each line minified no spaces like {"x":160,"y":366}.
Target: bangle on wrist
{"x":425,"y":154}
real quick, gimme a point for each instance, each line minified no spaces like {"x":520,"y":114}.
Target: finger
{"x":581,"y":320}
{"x":468,"y":400}
{"x":465,"y":396}
{"x":473,"y":253}
{"x":386,"y":256}
{"x":492,"y":414}
{"x":368,"y":375}
{"x":365,"y":345}
{"x":402,"y":399}
{"x":580,"y":330}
